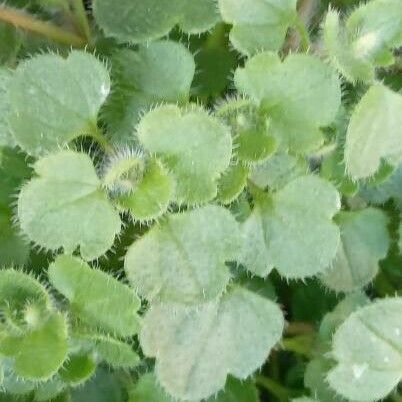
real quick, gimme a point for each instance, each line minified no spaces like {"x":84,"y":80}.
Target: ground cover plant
{"x":200,"y":200}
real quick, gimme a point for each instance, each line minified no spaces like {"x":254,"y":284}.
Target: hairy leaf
{"x":374,"y":132}
{"x":160,"y":72}
{"x":64,"y":206}
{"x":194,"y":145}
{"x":258,"y":24}
{"x":364,"y":241}
{"x":284,"y":230}
{"x":232,"y":183}
{"x":6,"y":137}
{"x":203,"y":344}
{"x":291,"y":93}
{"x":367,"y":348}
{"x":183,"y":258}
{"x":278,"y":170}
{"x":252,"y":139}
{"x":95,"y":296}
{"x":138,"y":21}
{"x":38,"y":353}
{"x":151,"y":198}
{"x":54,"y":100}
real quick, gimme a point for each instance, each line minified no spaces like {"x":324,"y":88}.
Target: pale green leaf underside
{"x":258,"y":24}
{"x":364,"y":241}
{"x":284,"y":231}
{"x":183,"y":258}
{"x":160,"y":72}
{"x":64,"y":206}
{"x":300,"y":95}
{"x":138,"y":21}
{"x":195,"y":146}
{"x":368,"y":351}
{"x":203,"y":344}
{"x":374,"y":133}
{"x":95,"y":297}
{"x":54,"y":100}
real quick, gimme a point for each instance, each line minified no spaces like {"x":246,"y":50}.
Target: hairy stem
{"x":29,"y":23}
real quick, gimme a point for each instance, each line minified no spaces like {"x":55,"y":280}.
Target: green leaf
{"x":160,"y":72}
{"x":299,"y":96}
{"x":114,"y":352}
{"x":18,"y":291}
{"x":13,"y":172}
{"x":340,"y":53}
{"x":11,"y":41}
{"x":49,"y":390}
{"x":64,"y":206}
{"x":252,"y":139}
{"x":195,"y":146}
{"x":6,"y":137}
{"x":14,"y":250}
{"x":54,"y":100}
{"x":258,"y":25}
{"x":364,"y":241}
{"x":368,"y":351}
{"x":38,"y":353}
{"x":103,"y":387}
{"x":151,"y":198}
{"x":232,"y":183}
{"x":96,"y":297}
{"x":339,"y":314}
{"x":284,"y":229}
{"x":374,"y":133}
{"x":333,"y":169}
{"x":391,"y":188}
{"x":147,"y":389}
{"x":278,"y":170}
{"x":201,"y":345}
{"x":78,"y":369}
{"x":365,"y":41}
{"x":183,"y":258}
{"x":140,"y":21}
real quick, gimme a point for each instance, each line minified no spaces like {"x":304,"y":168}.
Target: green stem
{"x":276,"y":389}
{"x":304,"y":35}
{"x":29,"y":23}
{"x":82,"y":19}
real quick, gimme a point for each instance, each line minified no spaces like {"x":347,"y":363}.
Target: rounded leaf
{"x":195,"y":146}
{"x":183,"y":258}
{"x":65,"y":206}
{"x":95,"y":297}
{"x":368,"y":350}
{"x":54,"y":100}
{"x":201,"y":345}
{"x":284,"y":230}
